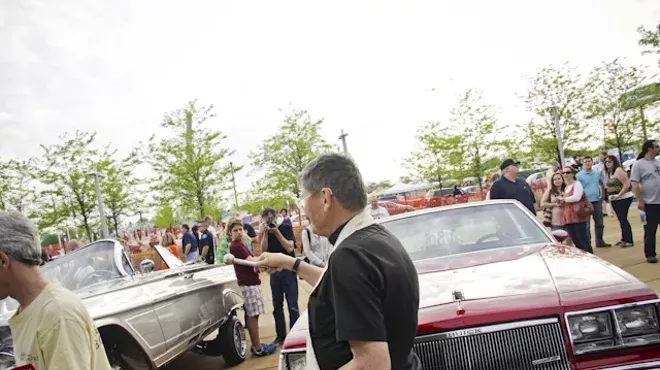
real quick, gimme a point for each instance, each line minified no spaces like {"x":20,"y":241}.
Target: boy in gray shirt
{"x":645,"y":178}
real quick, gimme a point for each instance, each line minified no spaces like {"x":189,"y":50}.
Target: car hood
{"x":515,"y":271}
{"x":511,"y":284}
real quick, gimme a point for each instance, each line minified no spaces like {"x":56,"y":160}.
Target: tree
{"x":650,"y":40}
{"x":561,"y":88}
{"x":607,"y":83}
{"x":285,"y":154}
{"x":17,"y":185}
{"x":438,"y":154}
{"x":118,"y":187}
{"x":478,"y":139}
{"x":373,"y":186}
{"x":70,"y":192}
{"x":190,"y":164}
{"x":262,"y":196}
{"x":165,"y":217}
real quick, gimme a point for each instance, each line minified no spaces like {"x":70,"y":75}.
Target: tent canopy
{"x":406,"y":188}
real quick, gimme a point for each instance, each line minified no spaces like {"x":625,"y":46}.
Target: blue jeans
{"x":578,"y":233}
{"x":598,"y":221}
{"x":284,"y":283}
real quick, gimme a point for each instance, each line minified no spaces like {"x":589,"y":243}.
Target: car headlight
{"x":615,"y":327}
{"x":293,"y":361}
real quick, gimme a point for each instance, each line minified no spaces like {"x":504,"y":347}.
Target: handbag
{"x":547,"y":217}
{"x":584,"y":208}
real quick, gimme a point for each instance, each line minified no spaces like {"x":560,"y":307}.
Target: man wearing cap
{"x":511,"y":186}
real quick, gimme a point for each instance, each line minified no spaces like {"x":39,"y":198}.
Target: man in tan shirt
{"x":51,"y":329}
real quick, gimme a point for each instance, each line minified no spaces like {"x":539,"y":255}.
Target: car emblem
{"x":546,"y":360}
{"x":459,"y":297}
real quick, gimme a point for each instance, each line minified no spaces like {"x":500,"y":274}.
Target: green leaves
{"x":564,"y":88}
{"x":284,"y":155}
{"x":190,"y":162}
{"x":17,"y":186}
{"x":650,"y":40}
{"x":464,"y":148}
{"x":615,"y":124}
{"x":64,"y":169}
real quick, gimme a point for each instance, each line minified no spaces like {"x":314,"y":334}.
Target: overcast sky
{"x":367,"y":67}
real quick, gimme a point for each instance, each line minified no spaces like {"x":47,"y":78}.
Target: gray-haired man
{"x":51,"y":328}
{"x":362,"y":312}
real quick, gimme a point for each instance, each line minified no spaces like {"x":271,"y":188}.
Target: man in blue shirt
{"x":594,"y":187}
{"x":189,"y":244}
{"x":511,"y":186}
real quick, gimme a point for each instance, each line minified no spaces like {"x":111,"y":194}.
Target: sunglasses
{"x":567,"y":172}
{"x":609,"y":162}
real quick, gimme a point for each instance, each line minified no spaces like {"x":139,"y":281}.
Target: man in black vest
{"x":362,"y":311}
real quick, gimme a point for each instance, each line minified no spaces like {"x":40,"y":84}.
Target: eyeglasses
{"x":302,"y":201}
{"x":567,"y":173}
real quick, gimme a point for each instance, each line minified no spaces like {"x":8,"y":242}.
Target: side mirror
{"x":146,"y":266}
{"x":560,"y":235}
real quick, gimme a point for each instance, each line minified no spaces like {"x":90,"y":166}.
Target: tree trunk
{"x":116,"y":221}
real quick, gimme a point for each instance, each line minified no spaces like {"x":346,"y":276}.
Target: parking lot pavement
{"x":630,"y":259}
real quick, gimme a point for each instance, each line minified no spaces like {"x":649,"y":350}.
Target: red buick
{"x":497,"y":291}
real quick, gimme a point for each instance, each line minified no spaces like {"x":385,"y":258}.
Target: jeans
{"x":192,"y":256}
{"x":284,"y":283}
{"x":598,"y":220}
{"x":621,"y":208}
{"x":578,"y":233}
{"x":652,"y":220}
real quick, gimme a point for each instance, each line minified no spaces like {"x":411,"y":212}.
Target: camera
{"x":271,"y":225}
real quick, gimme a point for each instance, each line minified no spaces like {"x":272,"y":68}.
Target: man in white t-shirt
{"x":51,"y":328}
{"x":210,"y":226}
{"x":376,"y":211}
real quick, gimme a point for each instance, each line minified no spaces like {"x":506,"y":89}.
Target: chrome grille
{"x":524,"y":345}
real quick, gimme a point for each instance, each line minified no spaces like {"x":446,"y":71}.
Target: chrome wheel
{"x":240,"y":343}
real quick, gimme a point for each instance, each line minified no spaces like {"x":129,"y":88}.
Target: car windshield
{"x":84,"y":267}
{"x":467,"y":229}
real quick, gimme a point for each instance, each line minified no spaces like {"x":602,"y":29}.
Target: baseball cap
{"x":507,"y":163}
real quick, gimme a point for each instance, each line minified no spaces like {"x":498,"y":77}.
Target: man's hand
{"x":277,"y":261}
{"x":640,"y":205}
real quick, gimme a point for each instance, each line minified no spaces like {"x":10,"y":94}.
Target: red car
{"x":497,"y":291}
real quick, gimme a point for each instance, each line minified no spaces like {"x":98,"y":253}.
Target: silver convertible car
{"x":147,"y":318}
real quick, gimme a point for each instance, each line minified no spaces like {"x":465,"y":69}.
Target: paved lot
{"x":630,"y":259}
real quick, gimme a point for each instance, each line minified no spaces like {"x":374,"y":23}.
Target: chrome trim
{"x":485,"y":329}
{"x":294,"y":350}
{"x":635,"y":366}
{"x":530,"y":344}
{"x":611,"y":310}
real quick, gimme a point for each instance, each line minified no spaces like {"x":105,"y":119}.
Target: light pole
{"x":104,"y":226}
{"x":342,"y":137}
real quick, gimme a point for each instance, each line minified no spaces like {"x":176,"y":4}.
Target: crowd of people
{"x":579,"y":193}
